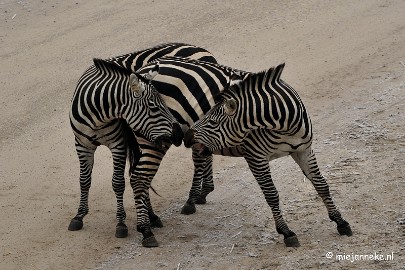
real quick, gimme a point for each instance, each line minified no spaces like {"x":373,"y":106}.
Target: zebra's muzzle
{"x":189,"y":141}
{"x":189,"y":138}
{"x":177,"y":135}
{"x":176,"y":138}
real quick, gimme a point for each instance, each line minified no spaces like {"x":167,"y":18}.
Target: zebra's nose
{"x":177,"y":134}
{"x":189,"y":138}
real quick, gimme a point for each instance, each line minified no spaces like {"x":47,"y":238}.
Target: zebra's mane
{"x":270,"y":75}
{"x":105,"y":64}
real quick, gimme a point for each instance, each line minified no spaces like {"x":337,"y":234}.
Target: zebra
{"x":188,"y":88}
{"x":136,"y":60}
{"x":262,"y":118}
{"x":97,"y":118}
{"x":107,"y":101}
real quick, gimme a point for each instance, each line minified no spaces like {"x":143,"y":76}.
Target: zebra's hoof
{"x":121,"y":231}
{"x":292,"y":241}
{"x":188,"y":209}
{"x":156,"y":223}
{"x":150,"y":242}
{"x":75,"y":224}
{"x":201,"y":200}
{"x":345,"y":230}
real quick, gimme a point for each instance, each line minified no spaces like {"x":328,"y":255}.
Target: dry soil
{"x":345,"y":58}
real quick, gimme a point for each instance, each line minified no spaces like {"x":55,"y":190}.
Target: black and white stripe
{"x":105,"y":111}
{"x":261,"y":118}
{"x":188,"y":88}
{"x":134,"y":61}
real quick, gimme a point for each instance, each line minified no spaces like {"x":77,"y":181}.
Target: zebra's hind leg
{"x":119,"y":155}
{"x":155,"y":221}
{"x":86,"y":159}
{"x":261,"y":171}
{"x":307,"y":162}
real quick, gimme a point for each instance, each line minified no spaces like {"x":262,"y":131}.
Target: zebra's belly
{"x":273,"y":145}
{"x":101,"y":135}
{"x":282,"y":151}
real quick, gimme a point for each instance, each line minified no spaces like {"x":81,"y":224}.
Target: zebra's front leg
{"x":261,"y":171}
{"x":307,"y":162}
{"x":86,"y":159}
{"x":118,"y":183}
{"x":200,"y":163}
{"x":207,"y":185}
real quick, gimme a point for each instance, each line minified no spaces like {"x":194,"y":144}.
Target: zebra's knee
{"x":118,"y":188}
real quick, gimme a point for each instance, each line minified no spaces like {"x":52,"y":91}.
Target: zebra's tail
{"x":132,"y":146}
{"x":133,"y":151}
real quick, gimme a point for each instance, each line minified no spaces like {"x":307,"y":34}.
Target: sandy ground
{"x":345,"y":58}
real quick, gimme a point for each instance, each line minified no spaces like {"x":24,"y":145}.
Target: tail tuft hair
{"x":133,"y":150}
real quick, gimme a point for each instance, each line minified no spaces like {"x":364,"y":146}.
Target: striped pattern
{"x":261,"y":118}
{"x":134,"y":61}
{"x":263,"y":101}
{"x":188,"y":88}
{"x":105,"y":111}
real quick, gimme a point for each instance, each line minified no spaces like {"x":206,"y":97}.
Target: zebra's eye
{"x":212,"y":122}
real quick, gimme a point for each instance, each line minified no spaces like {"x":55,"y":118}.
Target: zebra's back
{"x":136,"y":60}
{"x":189,"y":86}
{"x":93,"y":102}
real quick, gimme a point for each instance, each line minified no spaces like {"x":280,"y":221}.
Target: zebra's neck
{"x":269,"y":102}
{"x":112,"y":96}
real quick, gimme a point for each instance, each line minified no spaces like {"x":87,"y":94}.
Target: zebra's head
{"x":253,"y":101}
{"x":222,"y":126}
{"x":148,"y":113}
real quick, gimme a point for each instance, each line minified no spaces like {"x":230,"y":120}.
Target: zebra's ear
{"x":135,"y":85}
{"x":230,"y":106}
{"x":236,"y":78}
{"x":152,"y":73}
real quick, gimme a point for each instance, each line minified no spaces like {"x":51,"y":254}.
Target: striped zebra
{"x":105,"y":111}
{"x":188,"y":88}
{"x":261,"y":118}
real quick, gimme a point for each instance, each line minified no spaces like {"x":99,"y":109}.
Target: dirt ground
{"x":345,"y":58}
